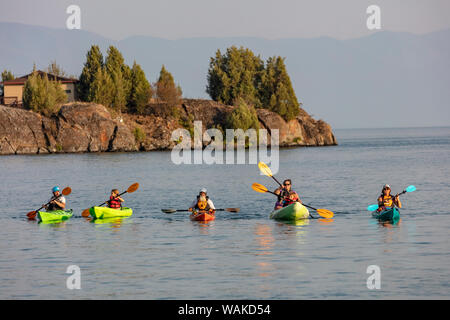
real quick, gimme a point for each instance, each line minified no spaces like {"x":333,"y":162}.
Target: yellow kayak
{"x":105,"y":212}
{"x":292,"y":212}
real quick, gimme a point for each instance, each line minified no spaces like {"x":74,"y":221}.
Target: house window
{"x":68,"y":91}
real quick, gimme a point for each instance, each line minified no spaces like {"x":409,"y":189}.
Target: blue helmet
{"x":55,"y":189}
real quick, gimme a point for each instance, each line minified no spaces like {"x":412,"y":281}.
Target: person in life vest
{"x":386,"y":200}
{"x":57,"y":201}
{"x":202,"y":203}
{"x":115,"y":202}
{"x":286,"y":195}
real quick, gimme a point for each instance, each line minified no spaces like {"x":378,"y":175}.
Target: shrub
{"x":139,"y":135}
{"x":42,"y":95}
{"x":242,"y":117}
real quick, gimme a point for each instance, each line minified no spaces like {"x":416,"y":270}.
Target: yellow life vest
{"x":202,"y":204}
{"x":388,"y":201}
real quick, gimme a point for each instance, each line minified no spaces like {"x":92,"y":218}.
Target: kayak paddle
{"x":183,"y":210}
{"x":32,"y":214}
{"x":130,"y":189}
{"x":410,"y":188}
{"x":322,"y":212}
{"x":266,"y":170}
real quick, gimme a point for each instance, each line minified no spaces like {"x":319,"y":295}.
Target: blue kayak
{"x":388,"y":214}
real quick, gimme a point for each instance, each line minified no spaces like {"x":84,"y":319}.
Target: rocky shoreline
{"x":87,"y":127}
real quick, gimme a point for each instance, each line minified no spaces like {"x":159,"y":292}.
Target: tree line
{"x":112,"y":83}
{"x":240,"y":75}
{"x":237,"y":77}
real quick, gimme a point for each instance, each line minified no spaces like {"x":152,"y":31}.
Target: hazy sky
{"x":271,"y":19}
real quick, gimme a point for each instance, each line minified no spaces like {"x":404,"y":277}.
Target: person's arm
{"x":380,"y":202}
{"x":120,"y":199}
{"x":191,"y":208}
{"x":298,"y":198}
{"x":398,"y":202}
{"x":211,"y":204}
{"x":60,"y":203}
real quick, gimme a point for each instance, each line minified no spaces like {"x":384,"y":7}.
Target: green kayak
{"x":389,"y":214}
{"x":292,"y":212}
{"x":105,"y":212}
{"x":54,"y":216}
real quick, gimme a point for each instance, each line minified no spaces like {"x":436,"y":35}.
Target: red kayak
{"x":203,"y":216}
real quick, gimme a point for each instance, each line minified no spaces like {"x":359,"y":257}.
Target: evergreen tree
{"x":102,"y":88}
{"x":240,"y":74}
{"x":56,"y":70}
{"x":236,"y":74}
{"x":276,"y":92}
{"x":94,"y":62}
{"x":120,"y":74}
{"x":141,"y":90}
{"x":42,"y":95}
{"x":6,"y":75}
{"x":166,"y":90}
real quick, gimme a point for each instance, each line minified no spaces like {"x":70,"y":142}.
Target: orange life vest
{"x":114,"y":203}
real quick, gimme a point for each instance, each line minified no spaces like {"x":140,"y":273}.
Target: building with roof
{"x":13,"y":89}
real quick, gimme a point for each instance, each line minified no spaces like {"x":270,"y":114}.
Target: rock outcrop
{"x":89,"y":127}
{"x":78,"y":127}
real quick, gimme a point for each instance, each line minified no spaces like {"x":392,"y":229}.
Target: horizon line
{"x":230,"y":37}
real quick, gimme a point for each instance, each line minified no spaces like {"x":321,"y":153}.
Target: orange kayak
{"x":202,"y":216}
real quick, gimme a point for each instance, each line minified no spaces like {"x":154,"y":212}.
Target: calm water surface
{"x":244,"y":255}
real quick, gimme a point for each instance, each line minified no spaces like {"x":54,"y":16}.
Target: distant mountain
{"x":386,"y":79}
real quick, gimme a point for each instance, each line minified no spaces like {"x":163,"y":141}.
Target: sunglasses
{"x":287,"y":184}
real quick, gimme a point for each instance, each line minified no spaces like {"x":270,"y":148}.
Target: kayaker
{"x":57,"y":201}
{"x":202,"y":202}
{"x":386,"y":200}
{"x":115,"y":202}
{"x":286,"y":195}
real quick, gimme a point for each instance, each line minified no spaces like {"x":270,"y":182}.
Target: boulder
{"x":21,"y":132}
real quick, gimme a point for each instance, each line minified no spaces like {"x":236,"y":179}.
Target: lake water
{"x":245,"y":255}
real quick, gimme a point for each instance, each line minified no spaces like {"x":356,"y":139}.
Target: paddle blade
{"x":66,"y":191}
{"x":133,"y":187}
{"x":168,"y":210}
{"x":410,"y":189}
{"x":31,"y":215}
{"x":232,"y":209}
{"x":265,"y":169}
{"x":372,"y":207}
{"x":85,"y":213}
{"x":327,"y":214}
{"x":259,"y":187}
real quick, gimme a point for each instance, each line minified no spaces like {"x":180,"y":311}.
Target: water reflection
{"x":265,"y":243}
{"x":50,"y":224}
{"x":204,"y":226}
{"x":325,"y":222}
{"x":264,"y":238}
{"x":115,"y":222}
{"x":296,"y":228}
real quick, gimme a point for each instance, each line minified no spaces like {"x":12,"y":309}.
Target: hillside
{"x":348,"y":82}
